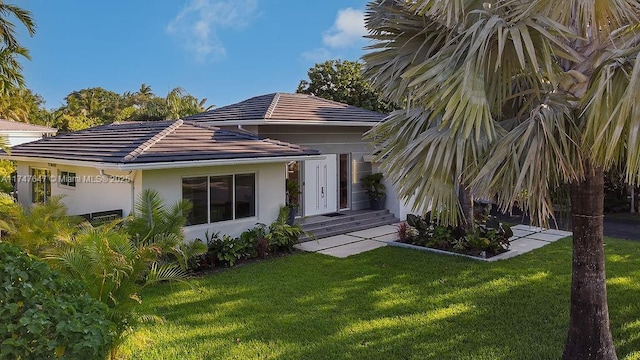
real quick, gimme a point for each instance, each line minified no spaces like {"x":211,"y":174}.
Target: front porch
{"x":342,"y":222}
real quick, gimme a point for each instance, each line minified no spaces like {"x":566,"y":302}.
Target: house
{"x":233,"y":178}
{"x":17,"y":133}
{"x":335,"y":129}
{"x":230,"y":162}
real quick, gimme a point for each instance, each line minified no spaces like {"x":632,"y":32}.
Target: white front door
{"x":320,"y":186}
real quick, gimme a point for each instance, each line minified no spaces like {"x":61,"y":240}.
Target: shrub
{"x":283,"y":236}
{"x":228,"y":249}
{"x":114,"y":268}
{"x":489,"y":234}
{"x":156,"y":223}
{"x":39,"y":228}
{"x":44,"y":316}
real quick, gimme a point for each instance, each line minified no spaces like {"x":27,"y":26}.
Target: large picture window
{"x":220,"y":198}
{"x":40,"y":185}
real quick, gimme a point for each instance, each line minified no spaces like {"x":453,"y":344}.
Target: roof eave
{"x":165,"y":165}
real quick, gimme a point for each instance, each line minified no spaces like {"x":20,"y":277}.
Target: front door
{"x":320,"y":186}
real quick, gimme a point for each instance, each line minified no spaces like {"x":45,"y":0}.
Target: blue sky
{"x":222,"y":50}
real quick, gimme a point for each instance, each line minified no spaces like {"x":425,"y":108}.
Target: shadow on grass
{"x":386,"y":304}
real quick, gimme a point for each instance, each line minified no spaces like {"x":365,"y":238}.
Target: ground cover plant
{"x":489,"y":237}
{"x":389,"y":303}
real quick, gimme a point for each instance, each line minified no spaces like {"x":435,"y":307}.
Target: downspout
{"x":129,"y":179}
{"x":133,"y":192}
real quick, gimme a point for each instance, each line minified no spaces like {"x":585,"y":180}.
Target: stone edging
{"x":504,"y":255}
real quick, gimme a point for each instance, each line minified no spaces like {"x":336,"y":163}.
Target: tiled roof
{"x":290,"y":107}
{"x":10,"y":125}
{"x":155,"y":142}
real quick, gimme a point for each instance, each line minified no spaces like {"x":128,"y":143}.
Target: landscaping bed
{"x":489,"y":238}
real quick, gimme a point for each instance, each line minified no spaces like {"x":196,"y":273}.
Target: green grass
{"x":389,"y":303}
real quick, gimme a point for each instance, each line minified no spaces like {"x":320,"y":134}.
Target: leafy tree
{"x":342,"y":81}
{"x":514,"y":98}
{"x":97,"y":106}
{"x":10,"y":49}
{"x":21,"y":104}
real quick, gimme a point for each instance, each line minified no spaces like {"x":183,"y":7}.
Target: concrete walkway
{"x":525,"y":238}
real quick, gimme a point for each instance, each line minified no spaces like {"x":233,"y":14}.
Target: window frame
{"x":233,"y":195}
{"x":33,"y":178}
{"x":69,"y":175}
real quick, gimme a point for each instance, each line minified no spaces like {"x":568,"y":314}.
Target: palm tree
{"x":8,"y":29}
{"x":179,"y":104}
{"x":10,"y":49}
{"x":514,"y":98}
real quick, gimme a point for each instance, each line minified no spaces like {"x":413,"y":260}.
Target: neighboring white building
{"x":17,"y":133}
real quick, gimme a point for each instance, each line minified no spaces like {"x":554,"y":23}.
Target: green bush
{"x":283,"y":236}
{"x":228,"y":249}
{"x":43,"y":316}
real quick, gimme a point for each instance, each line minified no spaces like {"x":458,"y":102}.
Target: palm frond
{"x":424,"y":160}
{"x":612,"y":114}
{"x":532,"y":159}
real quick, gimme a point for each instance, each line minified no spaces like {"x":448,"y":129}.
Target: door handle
{"x":322,"y":191}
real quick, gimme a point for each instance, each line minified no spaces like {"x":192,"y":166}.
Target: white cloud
{"x":347,"y":30}
{"x":198,"y":24}
{"x":317,"y":55}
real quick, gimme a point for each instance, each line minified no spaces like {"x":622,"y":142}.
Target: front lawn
{"x":389,"y":303}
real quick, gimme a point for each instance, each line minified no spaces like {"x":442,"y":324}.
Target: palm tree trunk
{"x":466,"y":204}
{"x":589,"y":332}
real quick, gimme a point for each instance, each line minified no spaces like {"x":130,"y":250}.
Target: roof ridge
{"x":272,"y":106}
{"x":154,"y":140}
{"x":201,"y":125}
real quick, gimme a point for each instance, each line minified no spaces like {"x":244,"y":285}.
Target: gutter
{"x":165,"y":165}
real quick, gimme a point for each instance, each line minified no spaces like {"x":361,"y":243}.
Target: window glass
{"x":40,"y":185}
{"x":195,"y":190}
{"x":221,"y":198}
{"x":68,"y":178}
{"x":245,"y":195}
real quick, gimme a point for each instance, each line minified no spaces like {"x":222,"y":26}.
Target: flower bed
{"x":489,"y":238}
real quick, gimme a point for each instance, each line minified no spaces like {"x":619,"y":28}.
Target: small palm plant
{"x":114,"y":268}
{"x":155,"y":223}
{"x":39,"y":227}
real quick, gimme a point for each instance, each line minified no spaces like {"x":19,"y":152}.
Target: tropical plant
{"x":114,"y":268}
{"x":283,"y":236}
{"x":38,"y":228}
{"x":507,"y":96}
{"x":45,"y":316}
{"x":10,"y":48}
{"x":155,"y":223}
{"x":228,"y":249}
{"x":373,"y":185}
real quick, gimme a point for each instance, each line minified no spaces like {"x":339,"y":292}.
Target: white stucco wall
{"x":397,"y":206}
{"x":270,"y":194}
{"x":93,"y":192}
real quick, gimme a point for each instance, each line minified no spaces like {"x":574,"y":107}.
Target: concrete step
{"x":348,"y":225}
{"x":317,"y":222}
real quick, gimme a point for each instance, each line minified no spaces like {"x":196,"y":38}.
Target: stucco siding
{"x":270,"y":194}
{"x":93,"y":192}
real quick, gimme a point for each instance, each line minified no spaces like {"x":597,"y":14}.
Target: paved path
{"x":613,"y":227}
{"x":525,"y":238}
